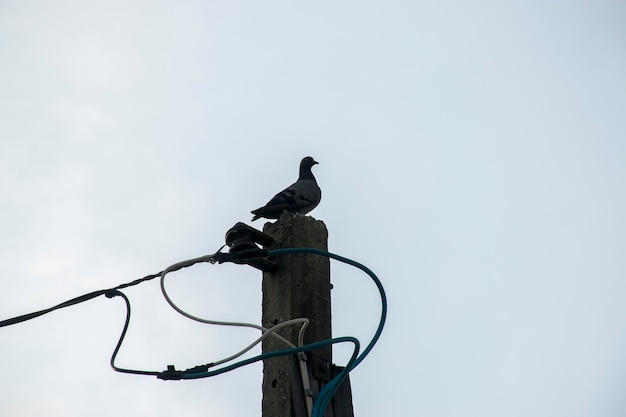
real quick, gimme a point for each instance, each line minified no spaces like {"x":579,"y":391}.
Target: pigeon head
{"x":305,"y":168}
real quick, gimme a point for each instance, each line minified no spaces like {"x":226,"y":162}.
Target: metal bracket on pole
{"x":321,"y":368}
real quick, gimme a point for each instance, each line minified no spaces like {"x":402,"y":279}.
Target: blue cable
{"x":329,"y":390}
{"x":277,"y":353}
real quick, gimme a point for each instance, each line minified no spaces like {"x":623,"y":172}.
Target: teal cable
{"x":330,"y":388}
{"x":277,"y":353}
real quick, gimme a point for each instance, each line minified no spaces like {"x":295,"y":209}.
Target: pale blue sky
{"x":472,"y":154}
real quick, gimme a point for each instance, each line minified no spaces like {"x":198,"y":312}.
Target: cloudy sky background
{"x":472,"y":154}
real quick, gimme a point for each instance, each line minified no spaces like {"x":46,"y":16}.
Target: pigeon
{"x":300,"y":197}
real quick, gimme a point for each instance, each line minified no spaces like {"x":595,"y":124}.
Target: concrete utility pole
{"x":299,"y":287}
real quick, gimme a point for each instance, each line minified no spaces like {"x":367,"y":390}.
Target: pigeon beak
{"x":315,"y":162}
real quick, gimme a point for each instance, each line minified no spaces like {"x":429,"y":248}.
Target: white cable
{"x":306,"y":385}
{"x":266,"y":332}
{"x":269,"y":332}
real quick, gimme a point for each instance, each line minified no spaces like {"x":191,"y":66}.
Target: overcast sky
{"x":472,"y":154}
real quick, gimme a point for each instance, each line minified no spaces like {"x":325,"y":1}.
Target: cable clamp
{"x":171,"y":374}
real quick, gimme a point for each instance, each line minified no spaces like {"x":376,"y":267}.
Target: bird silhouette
{"x":300,"y":197}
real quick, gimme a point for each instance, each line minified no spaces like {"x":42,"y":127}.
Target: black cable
{"x":74,"y":301}
{"x":86,"y":297}
{"x":138,"y":281}
{"x":25,"y":317}
{"x":110,"y":294}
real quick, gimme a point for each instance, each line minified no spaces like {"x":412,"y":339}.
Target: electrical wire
{"x":272,"y":331}
{"x":74,"y":301}
{"x":111,"y":294}
{"x":209,"y":258}
{"x":329,"y":389}
{"x":202,"y":371}
{"x":332,"y":386}
{"x":379,"y":286}
{"x":265,"y":331}
{"x":277,"y":353}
